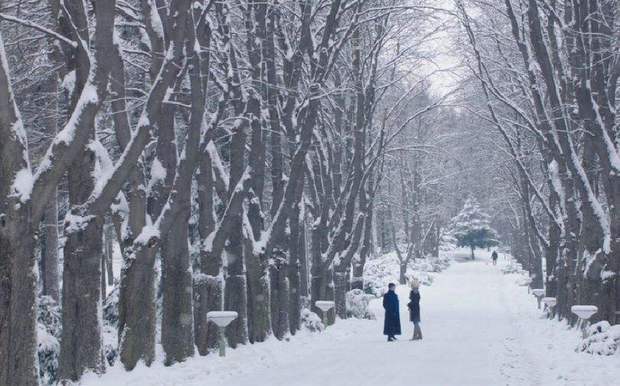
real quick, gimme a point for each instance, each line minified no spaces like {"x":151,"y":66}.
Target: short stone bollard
{"x":550,"y":302}
{"x":221,"y":319}
{"x":584,"y":313}
{"x":539,"y":293}
{"x":324,"y":306}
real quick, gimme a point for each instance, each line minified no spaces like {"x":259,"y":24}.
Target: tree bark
{"x":81,"y":342}
{"x":49,"y":251}
{"x":81,"y":346}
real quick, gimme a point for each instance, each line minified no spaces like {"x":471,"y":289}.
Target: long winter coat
{"x":414,"y":306}
{"x":391,"y":325}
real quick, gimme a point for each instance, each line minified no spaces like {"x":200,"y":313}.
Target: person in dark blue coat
{"x":391,"y":326}
{"x":414,"y":309}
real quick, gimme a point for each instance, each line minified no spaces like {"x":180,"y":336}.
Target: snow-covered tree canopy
{"x":252,"y":156}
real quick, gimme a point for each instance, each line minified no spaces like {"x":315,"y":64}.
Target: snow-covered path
{"x":479,"y":328}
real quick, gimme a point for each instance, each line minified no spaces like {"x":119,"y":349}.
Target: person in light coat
{"x":414,"y":309}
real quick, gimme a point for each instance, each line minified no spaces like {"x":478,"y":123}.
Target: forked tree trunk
{"x":177,"y":279}
{"x":258,"y":281}
{"x":21,"y":213}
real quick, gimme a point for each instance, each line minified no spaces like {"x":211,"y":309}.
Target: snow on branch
{"x":40,"y":28}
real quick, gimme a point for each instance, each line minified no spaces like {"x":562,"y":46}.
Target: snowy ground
{"x":479,"y":328}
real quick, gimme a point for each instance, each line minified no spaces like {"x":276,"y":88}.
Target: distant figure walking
{"x":391,"y":326}
{"x":494,"y":257}
{"x":414,"y":309}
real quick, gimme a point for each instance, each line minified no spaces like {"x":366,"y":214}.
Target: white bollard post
{"x":221,"y":319}
{"x":324,"y":306}
{"x":539,"y":293}
{"x":550,"y":302}
{"x":584,"y":313}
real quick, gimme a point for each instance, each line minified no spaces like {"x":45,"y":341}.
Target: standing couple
{"x":391,"y":326}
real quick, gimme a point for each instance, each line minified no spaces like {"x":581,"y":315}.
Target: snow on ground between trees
{"x":480,"y":328}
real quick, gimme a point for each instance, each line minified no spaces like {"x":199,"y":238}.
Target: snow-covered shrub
{"x":311,"y":321}
{"x":442,"y":262}
{"x":49,"y":326}
{"x":524,"y":281}
{"x":433,"y":264}
{"x":110,"y":325}
{"x":602,"y":339}
{"x":422,"y":265}
{"x":512,"y":267}
{"x":424,"y":278}
{"x":381,"y":271}
{"x":357,"y":304}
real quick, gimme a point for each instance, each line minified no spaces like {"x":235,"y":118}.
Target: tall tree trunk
{"x":319,"y":275}
{"x":18,"y":338}
{"x":208,"y":284}
{"x":21,"y":212}
{"x":304,"y":285}
{"x":109,"y":252}
{"x":278,"y":272}
{"x":235,"y":294}
{"x":340,"y":291}
{"x":49,"y":251}
{"x":296,"y":247}
{"x":177,"y":328}
{"x":260,"y":297}
{"x":81,"y":340}
{"x":137,"y":309}
{"x":103,"y":280}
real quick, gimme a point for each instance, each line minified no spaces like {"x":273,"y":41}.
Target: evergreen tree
{"x":471,"y":228}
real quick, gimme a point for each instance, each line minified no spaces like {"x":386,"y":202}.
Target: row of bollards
{"x":583,"y":312}
{"x":224,"y":318}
